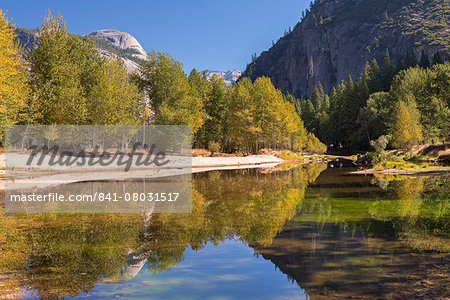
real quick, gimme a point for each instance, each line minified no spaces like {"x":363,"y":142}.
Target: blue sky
{"x":219,"y":35}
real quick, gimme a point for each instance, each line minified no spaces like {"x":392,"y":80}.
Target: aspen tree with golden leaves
{"x":13,"y":82}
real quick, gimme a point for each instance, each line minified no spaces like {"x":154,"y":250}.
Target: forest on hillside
{"x":370,"y":72}
{"x":397,"y":106}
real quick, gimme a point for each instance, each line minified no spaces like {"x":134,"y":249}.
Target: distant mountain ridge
{"x":111,"y":42}
{"x":228,"y":76}
{"x":337,"y":37}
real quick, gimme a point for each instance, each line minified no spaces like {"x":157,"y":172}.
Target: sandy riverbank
{"x":27,"y":180}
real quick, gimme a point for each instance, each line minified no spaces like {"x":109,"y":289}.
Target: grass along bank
{"x":420,"y":160}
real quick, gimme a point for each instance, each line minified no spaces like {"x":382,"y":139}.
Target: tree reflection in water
{"x":364,"y":242}
{"x":346,"y":236}
{"x":63,"y":255}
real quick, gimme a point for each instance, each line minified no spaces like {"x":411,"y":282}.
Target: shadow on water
{"x":332,"y":233}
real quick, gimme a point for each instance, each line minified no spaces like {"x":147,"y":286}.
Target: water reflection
{"x":63,"y":255}
{"x":352,"y":239}
{"x":343,"y":236}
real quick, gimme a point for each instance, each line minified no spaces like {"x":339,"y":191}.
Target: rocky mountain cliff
{"x":114,"y":42}
{"x":228,"y":76}
{"x":27,"y":38}
{"x":337,"y":37}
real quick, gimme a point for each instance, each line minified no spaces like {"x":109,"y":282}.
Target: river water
{"x":290,"y":232}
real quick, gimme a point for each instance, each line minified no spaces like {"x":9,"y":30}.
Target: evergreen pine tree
{"x":424,"y":61}
{"x":350,"y":105}
{"x":399,"y":65}
{"x":410,"y":59}
{"x":437,"y":59}
{"x":308,"y":115}
{"x":387,"y":71}
{"x":318,"y":98}
{"x":375,"y":84}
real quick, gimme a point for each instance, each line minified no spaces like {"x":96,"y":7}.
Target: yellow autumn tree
{"x":406,"y":129}
{"x":13,"y":82}
{"x":243,"y":131}
{"x":291,"y":128}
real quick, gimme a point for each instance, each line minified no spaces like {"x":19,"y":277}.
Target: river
{"x":290,"y":232}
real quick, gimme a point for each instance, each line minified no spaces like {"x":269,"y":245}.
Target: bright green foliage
{"x":269,"y":112}
{"x":375,"y":116}
{"x":113,"y":100}
{"x":430,"y":90}
{"x":361,"y":112}
{"x":213,"y":147}
{"x":215,"y":101}
{"x":215,"y":108}
{"x":13,"y":83}
{"x":172,"y":99}
{"x":405,"y":129}
{"x":56,"y":75}
{"x":72,"y":84}
{"x":200,"y":85}
{"x":276,"y":117}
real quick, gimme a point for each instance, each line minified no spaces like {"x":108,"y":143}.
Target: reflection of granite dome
{"x":133,"y":267}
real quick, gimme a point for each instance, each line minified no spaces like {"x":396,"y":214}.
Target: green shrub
{"x":213,"y":147}
{"x":372,"y":156}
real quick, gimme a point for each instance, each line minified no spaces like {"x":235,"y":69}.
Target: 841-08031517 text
{"x":95,"y":197}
